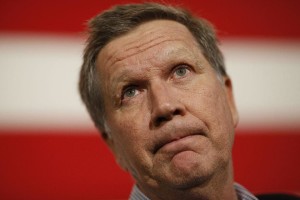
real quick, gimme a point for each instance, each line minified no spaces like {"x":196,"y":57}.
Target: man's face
{"x":170,"y":117}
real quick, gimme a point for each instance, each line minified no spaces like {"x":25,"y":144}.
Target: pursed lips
{"x":181,"y":134}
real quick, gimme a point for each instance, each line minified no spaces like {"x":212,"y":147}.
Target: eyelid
{"x":126,"y":88}
{"x":183,"y":65}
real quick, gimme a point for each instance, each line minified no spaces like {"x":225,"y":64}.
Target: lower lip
{"x":184,"y":144}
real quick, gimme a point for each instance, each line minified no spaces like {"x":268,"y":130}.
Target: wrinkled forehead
{"x":143,"y":37}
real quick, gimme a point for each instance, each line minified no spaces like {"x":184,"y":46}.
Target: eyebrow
{"x":116,"y":81}
{"x":139,"y":48}
{"x":173,"y":56}
{"x":177,"y":53}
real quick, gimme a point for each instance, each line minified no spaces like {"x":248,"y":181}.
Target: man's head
{"x":153,"y":80}
{"x":123,"y":19}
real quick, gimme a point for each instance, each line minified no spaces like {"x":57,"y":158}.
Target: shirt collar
{"x":242,"y":193}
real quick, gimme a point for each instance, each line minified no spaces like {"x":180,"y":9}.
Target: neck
{"x":219,"y":187}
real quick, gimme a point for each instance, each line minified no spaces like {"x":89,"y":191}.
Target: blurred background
{"x":49,"y":148}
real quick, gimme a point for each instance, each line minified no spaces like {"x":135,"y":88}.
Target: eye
{"x":181,"y":71}
{"x":130,"y":92}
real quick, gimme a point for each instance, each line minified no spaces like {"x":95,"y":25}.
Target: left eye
{"x":181,"y":71}
{"x":130,"y":92}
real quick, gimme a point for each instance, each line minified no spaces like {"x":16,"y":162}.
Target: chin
{"x":189,"y":170}
{"x":185,"y":183}
{"x":183,"y":179}
{"x":197,"y":176}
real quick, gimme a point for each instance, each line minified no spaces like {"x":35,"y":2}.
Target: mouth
{"x":168,"y":141}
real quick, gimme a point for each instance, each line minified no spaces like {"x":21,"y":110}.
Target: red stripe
{"x":256,"y":18}
{"x":77,"y":165}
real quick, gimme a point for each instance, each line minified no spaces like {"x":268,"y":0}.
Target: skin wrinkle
{"x":99,"y":25}
{"x":125,"y":76}
{"x":204,"y":101}
{"x":136,"y":49}
{"x":147,"y":33}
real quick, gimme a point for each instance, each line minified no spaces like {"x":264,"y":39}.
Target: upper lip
{"x":176,"y":133}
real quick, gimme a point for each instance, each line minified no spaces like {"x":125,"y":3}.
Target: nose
{"x":165,"y":104}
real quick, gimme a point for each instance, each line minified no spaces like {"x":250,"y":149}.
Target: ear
{"x":109,"y":140}
{"x":230,"y":100}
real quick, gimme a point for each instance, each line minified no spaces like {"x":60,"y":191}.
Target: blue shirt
{"x":242,"y":193}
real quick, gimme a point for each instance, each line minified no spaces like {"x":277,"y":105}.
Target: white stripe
{"x":266,"y":80}
{"x":39,"y":75}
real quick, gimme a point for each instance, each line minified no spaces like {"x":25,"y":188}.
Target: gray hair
{"x":120,"y":20}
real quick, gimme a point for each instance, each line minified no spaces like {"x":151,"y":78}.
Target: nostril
{"x":164,"y":118}
{"x":160,"y":120}
{"x":177,"y":112}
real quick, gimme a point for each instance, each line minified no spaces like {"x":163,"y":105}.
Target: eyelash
{"x":127,"y":89}
{"x":130,"y":87}
{"x":181,"y":66}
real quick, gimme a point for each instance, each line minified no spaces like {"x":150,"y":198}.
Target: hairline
{"x":208,"y":45}
{"x":97,"y":68}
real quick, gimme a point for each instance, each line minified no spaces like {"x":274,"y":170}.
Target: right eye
{"x":130,"y":92}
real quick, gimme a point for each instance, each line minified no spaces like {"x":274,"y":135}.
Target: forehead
{"x":146,"y":36}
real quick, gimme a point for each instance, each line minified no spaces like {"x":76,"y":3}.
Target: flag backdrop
{"x":49,"y":148}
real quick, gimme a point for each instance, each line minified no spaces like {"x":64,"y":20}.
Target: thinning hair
{"x":122,"y":19}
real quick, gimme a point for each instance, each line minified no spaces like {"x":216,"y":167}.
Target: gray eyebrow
{"x":177,"y":52}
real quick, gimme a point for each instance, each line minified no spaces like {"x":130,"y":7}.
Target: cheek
{"x":130,"y":136}
{"x":130,"y":129}
{"x":130,"y":125}
{"x":131,"y":151}
{"x":125,"y":134}
{"x":209,"y":104}
{"x":221,"y":126}
{"x":205,"y":99}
